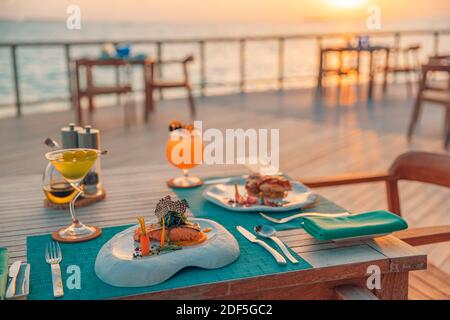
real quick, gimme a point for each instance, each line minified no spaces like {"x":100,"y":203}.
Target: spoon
{"x":266,"y":231}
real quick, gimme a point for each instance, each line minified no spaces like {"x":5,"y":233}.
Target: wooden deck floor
{"x":318,"y":137}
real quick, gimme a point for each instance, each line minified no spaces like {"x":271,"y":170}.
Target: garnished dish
{"x":151,"y":253}
{"x":263,"y":190}
{"x":268,"y":190}
{"x":172,"y":232}
{"x":258,"y":192}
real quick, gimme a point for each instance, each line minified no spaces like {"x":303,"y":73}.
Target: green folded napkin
{"x":357,"y":225}
{"x":3,"y":271}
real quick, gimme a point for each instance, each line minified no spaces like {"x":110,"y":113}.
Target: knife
{"x":26,"y":279}
{"x":13,"y":272}
{"x":225,"y":180}
{"x":252,"y":238}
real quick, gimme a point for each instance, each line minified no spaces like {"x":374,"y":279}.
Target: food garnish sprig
{"x":170,"y":213}
{"x":144,"y":239}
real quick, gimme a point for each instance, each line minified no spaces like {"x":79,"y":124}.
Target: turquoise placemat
{"x":253,"y":261}
{"x":230,"y":219}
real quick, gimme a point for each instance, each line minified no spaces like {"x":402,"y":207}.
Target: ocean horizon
{"x":43,"y":74}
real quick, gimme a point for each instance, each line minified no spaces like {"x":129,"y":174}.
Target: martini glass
{"x":74,"y":164}
{"x":184,"y":150}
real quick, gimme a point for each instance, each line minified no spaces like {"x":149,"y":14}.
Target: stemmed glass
{"x":184,"y":150}
{"x":74,"y":164}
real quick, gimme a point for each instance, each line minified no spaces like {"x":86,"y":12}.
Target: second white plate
{"x":220,"y":194}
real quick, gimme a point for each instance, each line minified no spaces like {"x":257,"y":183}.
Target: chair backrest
{"x":414,"y":47}
{"x":422,"y":166}
{"x":416,"y":166}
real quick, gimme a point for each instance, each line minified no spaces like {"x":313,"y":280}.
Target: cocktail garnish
{"x":68,"y":156}
{"x":175,"y":125}
{"x":80,"y":155}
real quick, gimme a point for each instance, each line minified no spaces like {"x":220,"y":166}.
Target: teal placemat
{"x":230,"y":219}
{"x":253,"y":261}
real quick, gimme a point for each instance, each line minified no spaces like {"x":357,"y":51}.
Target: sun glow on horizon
{"x":347,"y":4}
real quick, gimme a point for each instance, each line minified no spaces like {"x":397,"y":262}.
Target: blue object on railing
{"x":123,"y":50}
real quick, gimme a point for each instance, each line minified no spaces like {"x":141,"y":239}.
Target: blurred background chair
{"x":402,"y":61}
{"x":413,"y":166}
{"x":338,"y":63}
{"x":434,"y":93}
{"x":90,"y":89}
{"x":154,"y":82}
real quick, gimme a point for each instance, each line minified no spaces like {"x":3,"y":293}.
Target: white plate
{"x":116,"y":266}
{"x":300,"y":196}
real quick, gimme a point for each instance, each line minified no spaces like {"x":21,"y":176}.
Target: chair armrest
{"x":352,"y":292}
{"x":185,"y":60}
{"x":345,"y":179}
{"x":189,"y":58}
{"x":425,"y":235}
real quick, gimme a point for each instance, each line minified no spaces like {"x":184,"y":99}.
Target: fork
{"x":53,"y":257}
{"x":304,"y":214}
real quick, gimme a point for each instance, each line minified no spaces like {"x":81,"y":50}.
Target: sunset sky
{"x":220,"y":10}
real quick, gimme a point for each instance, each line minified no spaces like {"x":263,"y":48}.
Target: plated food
{"x":270,"y":190}
{"x":151,"y":253}
{"x":260,"y":193}
{"x":261,"y":189}
{"x":172,"y":232}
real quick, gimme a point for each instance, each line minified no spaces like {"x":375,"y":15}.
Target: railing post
{"x":397,"y":55}
{"x":16,"y":79}
{"x":117,"y":74}
{"x":436,"y":43}
{"x":320,"y":64}
{"x":280,"y":63}
{"x":242,"y":65}
{"x":201,"y":48}
{"x":159,"y":54}
{"x":69,"y":74}
{"x":117,"y":78}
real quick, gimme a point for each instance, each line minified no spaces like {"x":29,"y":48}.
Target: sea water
{"x":43,"y":73}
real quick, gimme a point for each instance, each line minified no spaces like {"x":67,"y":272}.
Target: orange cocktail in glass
{"x":184,"y":150}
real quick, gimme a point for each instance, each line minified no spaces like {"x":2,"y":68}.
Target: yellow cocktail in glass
{"x":74,"y":165}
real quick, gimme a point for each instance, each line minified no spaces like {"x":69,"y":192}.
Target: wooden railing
{"x":201,"y":44}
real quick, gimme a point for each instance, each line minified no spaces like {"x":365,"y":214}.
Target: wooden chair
{"x":409,"y":65}
{"x":433,"y":94}
{"x":91,"y":90}
{"x":414,"y":166}
{"x":152,"y":83}
{"x":347,"y":65}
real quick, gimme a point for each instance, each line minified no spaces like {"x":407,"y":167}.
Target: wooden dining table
{"x":372,"y":50}
{"x":134,"y":191}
